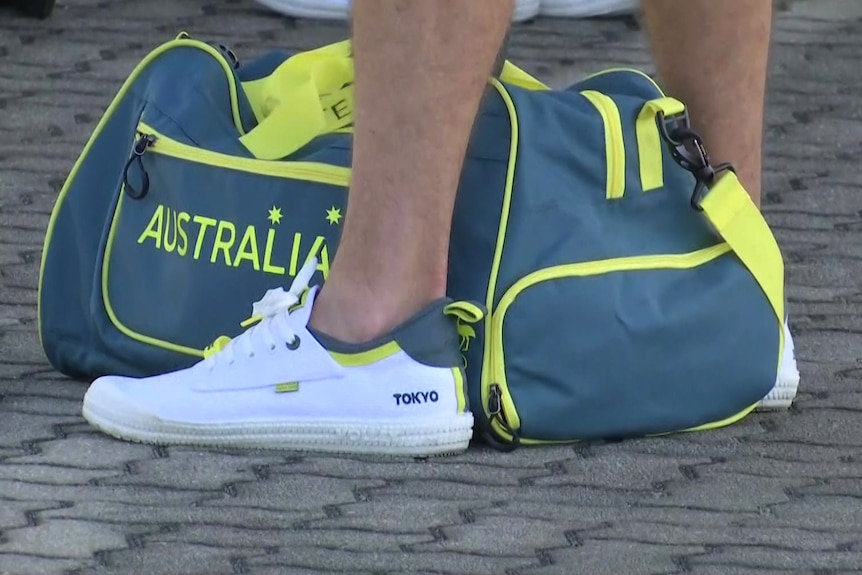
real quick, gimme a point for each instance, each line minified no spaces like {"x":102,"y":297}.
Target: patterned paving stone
{"x":776,"y":493}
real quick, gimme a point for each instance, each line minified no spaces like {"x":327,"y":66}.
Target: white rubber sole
{"x":416,"y":438}
{"x":587,"y":8}
{"x":787,"y":383}
{"x":340,"y":9}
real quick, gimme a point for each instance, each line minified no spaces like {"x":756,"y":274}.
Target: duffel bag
{"x":624,"y":286}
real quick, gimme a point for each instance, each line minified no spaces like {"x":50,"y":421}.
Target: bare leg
{"x":712,"y":55}
{"x":421,"y":68}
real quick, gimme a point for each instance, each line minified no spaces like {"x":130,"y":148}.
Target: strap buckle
{"x":689,"y":152}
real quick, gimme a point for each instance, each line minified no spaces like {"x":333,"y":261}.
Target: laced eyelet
{"x":272,"y":347}
{"x":293,"y":345}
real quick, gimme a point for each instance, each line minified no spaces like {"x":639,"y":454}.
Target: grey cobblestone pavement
{"x":777,"y":493}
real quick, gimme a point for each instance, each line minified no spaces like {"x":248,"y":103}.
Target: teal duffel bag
{"x":617,"y":294}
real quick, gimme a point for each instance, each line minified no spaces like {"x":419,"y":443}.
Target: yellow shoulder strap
{"x":729,"y":209}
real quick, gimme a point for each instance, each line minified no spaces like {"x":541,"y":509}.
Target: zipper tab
{"x":142,"y":144}
{"x":495,"y":409}
{"x":495,"y":401}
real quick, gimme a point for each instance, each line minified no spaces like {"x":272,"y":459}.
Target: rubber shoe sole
{"x":787,"y":384}
{"x":410,"y":437}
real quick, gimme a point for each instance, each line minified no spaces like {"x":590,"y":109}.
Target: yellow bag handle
{"x":311,"y":94}
{"x":308,"y":95}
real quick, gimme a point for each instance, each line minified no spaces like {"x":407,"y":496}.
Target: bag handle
{"x":311,"y":94}
{"x":306,"y":96}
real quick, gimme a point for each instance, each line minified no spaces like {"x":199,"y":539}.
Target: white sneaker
{"x":587,"y":8}
{"x":787,"y":382}
{"x":278,"y":386}
{"x":340,"y":9}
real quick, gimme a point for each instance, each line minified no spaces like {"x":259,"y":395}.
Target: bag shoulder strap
{"x":736,"y":218}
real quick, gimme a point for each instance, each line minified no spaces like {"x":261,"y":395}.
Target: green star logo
{"x":333,"y":216}
{"x":274,"y":215}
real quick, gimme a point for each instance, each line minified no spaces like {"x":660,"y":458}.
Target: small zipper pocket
{"x":615,"y":151}
{"x":500,"y":409}
{"x":150,"y":140}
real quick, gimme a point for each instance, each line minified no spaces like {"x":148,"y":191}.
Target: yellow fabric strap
{"x":305,"y":97}
{"x":311,"y":94}
{"x":649,"y":141}
{"x":729,"y":209}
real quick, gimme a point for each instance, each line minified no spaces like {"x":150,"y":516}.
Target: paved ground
{"x":778,"y":493}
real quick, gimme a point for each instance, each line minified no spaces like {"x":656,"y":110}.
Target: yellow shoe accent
{"x":366,"y":357}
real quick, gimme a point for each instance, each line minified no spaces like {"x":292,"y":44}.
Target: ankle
{"x":359,"y":316}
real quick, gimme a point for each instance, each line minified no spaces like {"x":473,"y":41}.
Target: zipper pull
{"x":495,"y":409}
{"x":495,"y":401}
{"x":142,"y":144}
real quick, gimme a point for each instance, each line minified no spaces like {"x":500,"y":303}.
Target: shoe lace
{"x":268,"y":327}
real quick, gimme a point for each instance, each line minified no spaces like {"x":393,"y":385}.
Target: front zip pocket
{"x":184,"y":261}
{"x":149,"y":140}
{"x":606,"y":366}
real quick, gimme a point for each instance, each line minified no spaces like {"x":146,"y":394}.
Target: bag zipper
{"x":504,"y":421}
{"x":150,"y":140}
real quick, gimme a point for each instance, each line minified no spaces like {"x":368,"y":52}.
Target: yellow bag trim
{"x":487,"y":369}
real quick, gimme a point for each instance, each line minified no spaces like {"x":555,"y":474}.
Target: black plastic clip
{"x":688,"y":150}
